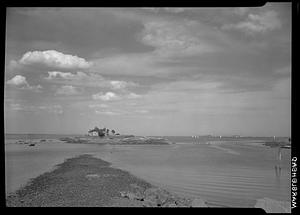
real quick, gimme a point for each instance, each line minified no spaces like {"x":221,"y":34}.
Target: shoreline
{"x":86,"y":181}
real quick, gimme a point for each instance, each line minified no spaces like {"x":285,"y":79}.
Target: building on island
{"x":92,"y":133}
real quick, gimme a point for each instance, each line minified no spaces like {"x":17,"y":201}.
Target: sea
{"x":225,"y":172}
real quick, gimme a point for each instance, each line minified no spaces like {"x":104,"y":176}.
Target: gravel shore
{"x":86,"y":181}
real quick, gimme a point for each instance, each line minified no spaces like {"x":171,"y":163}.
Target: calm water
{"x":23,"y":162}
{"x":228,"y":174}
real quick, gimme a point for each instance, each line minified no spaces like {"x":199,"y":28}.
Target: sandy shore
{"x":86,"y":181}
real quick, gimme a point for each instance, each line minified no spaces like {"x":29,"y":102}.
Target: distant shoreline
{"x":283,"y":142}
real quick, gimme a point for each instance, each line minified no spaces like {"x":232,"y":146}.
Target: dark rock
{"x":273,"y":206}
{"x":148,"y":203}
{"x":170,"y":205}
{"x":157,"y":195}
{"x":131,"y":196}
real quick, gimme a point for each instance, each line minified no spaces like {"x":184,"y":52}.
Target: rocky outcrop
{"x":74,"y":140}
{"x":273,"y":206}
{"x":145,"y":140}
{"x":157,"y":197}
{"x":114,"y":140}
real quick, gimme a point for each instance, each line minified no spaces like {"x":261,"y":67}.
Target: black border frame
{"x":159,"y":3}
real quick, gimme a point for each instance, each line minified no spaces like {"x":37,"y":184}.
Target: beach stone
{"x":169,"y":205}
{"x":149,"y":203}
{"x":109,"y":175}
{"x":131,"y":196}
{"x":135,"y":186}
{"x":181,"y":201}
{"x":151,"y":195}
{"x":157,"y":195}
{"x":123,"y":194}
{"x":137,"y":189}
{"x":198,"y":203}
{"x":90,"y":176}
{"x":273,"y":206}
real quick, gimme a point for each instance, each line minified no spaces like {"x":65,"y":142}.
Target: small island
{"x":109,"y":136}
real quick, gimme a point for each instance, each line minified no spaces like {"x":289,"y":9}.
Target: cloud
{"x":257,"y":23}
{"x":121,"y":84}
{"x":171,"y":40}
{"x":54,"y":59}
{"x":240,"y":10}
{"x":107,"y":112}
{"x":166,"y":9}
{"x":16,"y":107}
{"x":98,"y":105}
{"x":89,"y":80}
{"x":79,"y":78}
{"x":105,"y":97}
{"x":142,"y":111}
{"x":63,"y":75}
{"x":56,"y":109}
{"x":20,"y":82}
{"x":67,"y":90}
{"x":177,"y":38}
{"x":133,"y":96}
{"x":175,"y":9}
{"x":202,"y":97}
{"x":13,"y":65}
{"x":112,"y":96}
{"x":127,"y":64}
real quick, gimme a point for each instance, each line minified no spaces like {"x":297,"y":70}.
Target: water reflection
{"x":278,"y":165}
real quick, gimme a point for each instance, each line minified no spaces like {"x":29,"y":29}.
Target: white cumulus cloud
{"x":118,"y":84}
{"x":52,"y":58}
{"x":20,"y":82}
{"x":105,"y":97}
{"x":63,"y":75}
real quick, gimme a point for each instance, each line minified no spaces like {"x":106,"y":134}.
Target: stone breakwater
{"x":86,"y":181}
{"x":157,"y":197}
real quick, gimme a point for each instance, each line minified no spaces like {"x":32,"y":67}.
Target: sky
{"x":149,"y":71}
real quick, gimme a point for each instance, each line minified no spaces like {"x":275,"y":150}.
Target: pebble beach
{"x":85,"y":181}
